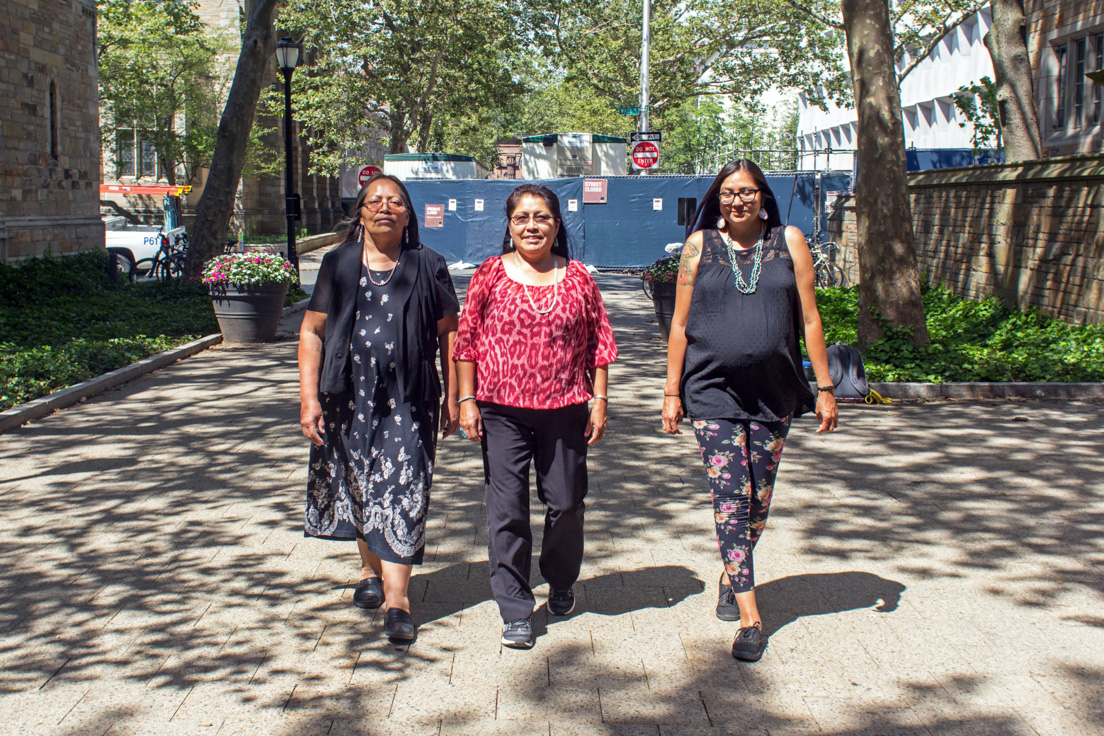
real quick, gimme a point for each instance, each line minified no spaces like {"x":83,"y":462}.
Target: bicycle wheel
{"x":143,"y":268}
{"x":161,"y":270}
{"x":824,"y":277}
{"x":839,"y":277}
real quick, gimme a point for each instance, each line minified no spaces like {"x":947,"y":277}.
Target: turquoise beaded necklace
{"x":749,"y":286}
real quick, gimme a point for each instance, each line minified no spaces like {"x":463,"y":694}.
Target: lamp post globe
{"x":287,"y":58}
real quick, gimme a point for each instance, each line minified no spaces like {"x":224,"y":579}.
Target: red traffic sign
{"x":366,"y":174}
{"x":645,"y":154}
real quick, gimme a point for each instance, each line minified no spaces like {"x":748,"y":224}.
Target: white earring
{"x":763,"y":214}
{"x":720,"y":223}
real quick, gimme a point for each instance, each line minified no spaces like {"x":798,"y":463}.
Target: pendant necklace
{"x":745,"y":287}
{"x":555,"y":287}
{"x":389,"y":273}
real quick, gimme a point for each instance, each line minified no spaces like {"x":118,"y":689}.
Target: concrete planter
{"x":249,"y":312}
{"x":663,"y":299}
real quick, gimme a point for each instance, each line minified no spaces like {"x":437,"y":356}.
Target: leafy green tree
{"x":390,"y":69}
{"x":978,"y":104}
{"x":156,"y":70}
{"x":738,"y":48}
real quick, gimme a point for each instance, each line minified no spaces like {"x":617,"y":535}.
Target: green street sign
{"x":628,"y":110}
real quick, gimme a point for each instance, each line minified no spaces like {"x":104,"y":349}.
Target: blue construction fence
{"x":641,"y":216}
{"x":924,"y":159}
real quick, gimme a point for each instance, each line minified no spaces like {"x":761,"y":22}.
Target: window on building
{"x":1060,"y":90}
{"x":1097,"y":90}
{"x":1080,"y":47}
{"x":53,"y":124}
{"x":135,"y":155}
{"x":124,"y":153}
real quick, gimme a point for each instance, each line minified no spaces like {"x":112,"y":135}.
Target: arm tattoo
{"x":687,"y":273}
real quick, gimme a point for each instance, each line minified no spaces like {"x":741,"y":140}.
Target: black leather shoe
{"x":727,"y":609}
{"x":749,"y":644}
{"x":369,"y":593}
{"x":399,"y":625}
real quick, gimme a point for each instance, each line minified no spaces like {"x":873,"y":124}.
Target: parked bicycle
{"x":827,"y":273}
{"x":168,"y":261}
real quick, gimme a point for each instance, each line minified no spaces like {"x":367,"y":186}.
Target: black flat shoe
{"x":727,"y":608}
{"x":369,"y":593}
{"x":398,"y":625}
{"x":749,"y":644}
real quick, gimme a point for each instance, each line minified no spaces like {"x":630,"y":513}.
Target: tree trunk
{"x":216,"y":204}
{"x":889,"y":292}
{"x":1015,"y":86}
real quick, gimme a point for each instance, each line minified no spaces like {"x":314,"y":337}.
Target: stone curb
{"x":17,"y":416}
{"x":1007,"y":390}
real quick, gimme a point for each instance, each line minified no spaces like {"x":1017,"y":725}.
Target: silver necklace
{"x":555,"y":287}
{"x":745,"y":287}
{"x":389,"y":275}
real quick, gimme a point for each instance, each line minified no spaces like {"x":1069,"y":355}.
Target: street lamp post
{"x":287,"y":58}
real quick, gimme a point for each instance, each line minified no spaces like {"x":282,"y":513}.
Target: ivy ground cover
{"x":63,"y":321}
{"x":971,"y":341}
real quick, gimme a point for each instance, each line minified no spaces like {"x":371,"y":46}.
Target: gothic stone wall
{"x":1031,"y":234}
{"x":49,"y":142}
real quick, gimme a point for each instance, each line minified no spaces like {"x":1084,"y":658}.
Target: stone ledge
{"x":995,"y":390}
{"x":19,"y":415}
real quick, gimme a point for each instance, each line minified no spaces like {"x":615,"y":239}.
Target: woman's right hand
{"x":470,"y":420}
{"x":310,"y":419}
{"x":672,"y":414}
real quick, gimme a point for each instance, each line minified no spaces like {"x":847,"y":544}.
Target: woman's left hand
{"x":827,"y":411}
{"x":450,"y":417}
{"x":596,"y":422}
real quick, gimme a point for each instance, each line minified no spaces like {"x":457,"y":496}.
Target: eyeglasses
{"x":375,"y":205}
{"x":540,"y":219}
{"x":746,"y":195}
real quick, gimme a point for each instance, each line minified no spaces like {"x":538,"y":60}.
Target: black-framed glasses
{"x":540,"y":219}
{"x":375,"y":205}
{"x":746,"y":195}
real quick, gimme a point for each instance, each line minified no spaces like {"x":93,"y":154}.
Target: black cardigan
{"x":422,"y":285}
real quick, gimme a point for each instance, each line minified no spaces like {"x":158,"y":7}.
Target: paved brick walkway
{"x":930,"y":568}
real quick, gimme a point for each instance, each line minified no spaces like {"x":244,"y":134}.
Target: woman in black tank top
{"x":745,"y":296}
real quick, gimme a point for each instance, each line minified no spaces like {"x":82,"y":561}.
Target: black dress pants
{"x":553,"y":440}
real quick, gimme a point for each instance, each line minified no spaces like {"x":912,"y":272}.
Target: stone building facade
{"x":1031,"y":234}
{"x":1065,"y":41}
{"x":49,"y":129}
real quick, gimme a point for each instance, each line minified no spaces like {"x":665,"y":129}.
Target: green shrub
{"x":65,"y":320}
{"x":971,"y":341}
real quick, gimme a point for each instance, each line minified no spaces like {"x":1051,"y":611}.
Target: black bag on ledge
{"x":848,"y":374}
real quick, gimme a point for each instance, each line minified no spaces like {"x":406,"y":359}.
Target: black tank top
{"x":742,"y":355}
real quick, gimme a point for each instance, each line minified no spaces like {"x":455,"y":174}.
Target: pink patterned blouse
{"x":529,"y":360}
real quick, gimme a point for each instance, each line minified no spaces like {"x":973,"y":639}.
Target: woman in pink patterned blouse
{"x":533,"y":348}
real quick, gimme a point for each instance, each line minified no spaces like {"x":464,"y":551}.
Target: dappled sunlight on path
{"x":930,"y":568}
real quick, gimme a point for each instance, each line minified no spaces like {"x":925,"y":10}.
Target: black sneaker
{"x":369,"y":593}
{"x":518,"y":634}
{"x":727,"y":609}
{"x":749,"y":643}
{"x":561,"y":602}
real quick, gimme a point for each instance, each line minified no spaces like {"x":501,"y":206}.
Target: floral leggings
{"x":741,"y":460}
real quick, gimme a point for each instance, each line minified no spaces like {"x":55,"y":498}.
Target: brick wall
{"x":49,"y":129}
{"x":1031,"y":234}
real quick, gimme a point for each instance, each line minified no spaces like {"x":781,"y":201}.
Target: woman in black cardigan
{"x":382,"y":309}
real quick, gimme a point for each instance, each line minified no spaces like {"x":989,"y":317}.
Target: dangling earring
{"x":720,"y":223}
{"x":763,"y":214}
{"x":406,"y":235}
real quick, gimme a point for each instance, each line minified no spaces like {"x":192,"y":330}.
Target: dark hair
{"x":410,"y":232}
{"x":553,"y":202}
{"x":709,"y":211}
